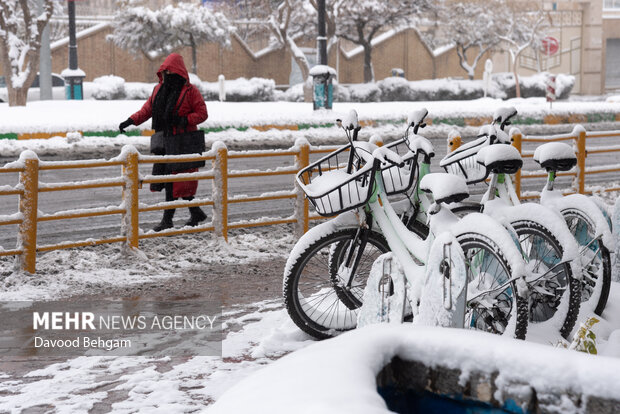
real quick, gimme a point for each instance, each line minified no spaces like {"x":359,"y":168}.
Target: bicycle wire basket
{"x":338,"y":182}
{"x":462,"y":161}
{"x":397,"y":180}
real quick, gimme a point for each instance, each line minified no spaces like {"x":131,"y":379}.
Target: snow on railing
{"x":29,"y":187}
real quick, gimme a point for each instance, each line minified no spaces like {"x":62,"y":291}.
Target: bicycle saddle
{"x":500,"y":158}
{"x":445,"y":188}
{"x":555,"y":156}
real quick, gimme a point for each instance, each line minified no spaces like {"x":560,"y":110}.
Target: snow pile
{"x":532,"y":86}
{"x":108,"y":88}
{"x":339,"y":375}
{"x":242,"y":89}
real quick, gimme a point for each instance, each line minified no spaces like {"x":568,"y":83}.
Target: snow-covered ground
{"x":91,"y":115}
{"x":257,"y":333}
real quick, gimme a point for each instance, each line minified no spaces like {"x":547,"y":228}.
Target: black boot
{"x":197,"y":216}
{"x":166,"y":221}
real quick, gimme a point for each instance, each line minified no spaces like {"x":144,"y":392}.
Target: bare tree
{"x":361,"y":21}
{"x":522,"y":30}
{"x":473,"y":27}
{"x":288,"y":21}
{"x":21,"y":26}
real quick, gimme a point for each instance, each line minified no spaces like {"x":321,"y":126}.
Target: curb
{"x":459,"y":121}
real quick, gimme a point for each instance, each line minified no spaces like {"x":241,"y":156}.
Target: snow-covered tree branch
{"x":524,"y":29}
{"x":473,"y":27}
{"x":161,"y":31}
{"x":289,"y":20}
{"x":21,"y":27}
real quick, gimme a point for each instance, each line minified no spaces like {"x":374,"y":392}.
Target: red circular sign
{"x":550,"y":46}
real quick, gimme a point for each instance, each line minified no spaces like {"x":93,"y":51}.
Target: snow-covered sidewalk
{"x":92,"y":115}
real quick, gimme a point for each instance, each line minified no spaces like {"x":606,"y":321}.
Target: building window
{"x":611,"y":4}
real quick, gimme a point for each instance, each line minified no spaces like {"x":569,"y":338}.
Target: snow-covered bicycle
{"x":586,"y":221}
{"x":456,"y":272}
{"x":551,"y":252}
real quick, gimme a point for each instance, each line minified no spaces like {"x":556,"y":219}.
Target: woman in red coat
{"x":176,"y":106}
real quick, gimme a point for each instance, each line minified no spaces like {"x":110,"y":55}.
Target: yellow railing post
{"x":581,"y":157}
{"x":220,"y":189}
{"x":130,"y":197}
{"x":516,"y":137}
{"x":28,"y":207}
{"x":302,"y":208}
{"x":454,"y":140}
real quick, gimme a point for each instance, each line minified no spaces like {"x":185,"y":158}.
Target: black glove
{"x":180,"y":121}
{"x":125,"y":124}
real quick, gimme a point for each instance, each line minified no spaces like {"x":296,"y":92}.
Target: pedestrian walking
{"x":176,"y":107}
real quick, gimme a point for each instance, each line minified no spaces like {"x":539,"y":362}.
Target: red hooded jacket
{"x":192,"y":105}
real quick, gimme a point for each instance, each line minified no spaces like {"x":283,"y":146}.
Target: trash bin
{"x":73,"y":83}
{"x":322,"y":87}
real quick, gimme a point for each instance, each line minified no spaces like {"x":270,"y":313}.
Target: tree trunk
{"x":194,"y":59}
{"x":514,"y":73}
{"x":18,"y":96}
{"x":369,"y":75}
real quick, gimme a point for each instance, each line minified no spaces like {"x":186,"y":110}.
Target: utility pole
{"x":321,"y":39}
{"x":73,"y":75}
{"x":45,"y":61}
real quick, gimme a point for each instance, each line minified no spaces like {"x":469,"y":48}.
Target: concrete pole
{"x":45,"y":62}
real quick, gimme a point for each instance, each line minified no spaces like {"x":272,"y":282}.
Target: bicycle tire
{"x":522,"y":228}
{"x":315,"y":307}
{"x":574,"y":217}
{"x":351,"y":297}
{"x":541,"y":308}
{"x":468,"y":242}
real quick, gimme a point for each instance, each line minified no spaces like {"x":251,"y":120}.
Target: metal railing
{"x":130,"y":181}
{"x":581,"y":140}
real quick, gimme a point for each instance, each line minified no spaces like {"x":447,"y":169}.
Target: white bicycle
{"x":462,"y":272}
{"x":551,"y":252}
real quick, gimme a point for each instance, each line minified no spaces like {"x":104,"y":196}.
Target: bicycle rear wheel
{"x":316,"y":301}
{"x":595,"y":258}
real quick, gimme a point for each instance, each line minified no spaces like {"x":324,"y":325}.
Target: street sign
{"x":550,"y":46}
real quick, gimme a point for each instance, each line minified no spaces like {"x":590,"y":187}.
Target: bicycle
{"x":327,"y":271}
{"x":586,"y":222}
{"x":551,"y":252}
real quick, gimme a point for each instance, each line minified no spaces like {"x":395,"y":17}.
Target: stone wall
{"x":401,"y":378}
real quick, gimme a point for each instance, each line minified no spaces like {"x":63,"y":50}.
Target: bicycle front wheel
{"x":595,"y":258}
{"x":320,"y":299}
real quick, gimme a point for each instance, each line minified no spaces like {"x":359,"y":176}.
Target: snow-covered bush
{"x":138,"y":90}
{"x":364,"y":92}
{"x":532,"y":86}
{"x":502,"y":86}
{"x":293,"y":94}
{"x":108,"y":87}
{"x":242,"y":89}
